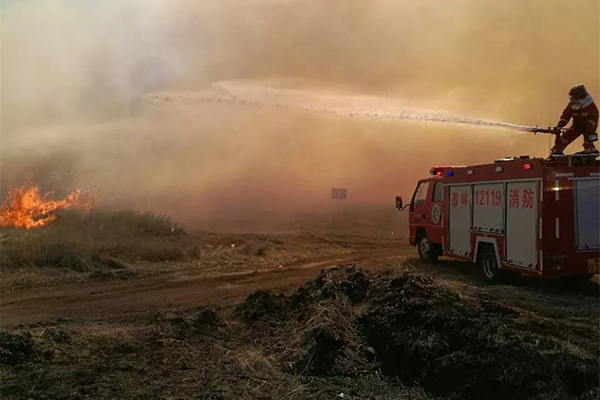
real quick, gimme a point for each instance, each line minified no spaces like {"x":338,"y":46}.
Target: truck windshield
{"x":420,"y":194}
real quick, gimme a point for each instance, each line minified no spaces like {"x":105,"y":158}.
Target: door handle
{"x":424,"y":215}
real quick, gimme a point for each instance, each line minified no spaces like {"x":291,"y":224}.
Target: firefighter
{"x":584,"y":112}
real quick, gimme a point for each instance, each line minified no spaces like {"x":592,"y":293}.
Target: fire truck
{"x":517,"y":215}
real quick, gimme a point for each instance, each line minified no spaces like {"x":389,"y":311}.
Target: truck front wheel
{"x":428,"y":252}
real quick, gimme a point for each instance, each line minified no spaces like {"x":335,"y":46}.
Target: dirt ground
{"x":124,"y":299}
{"x":325,"y":314}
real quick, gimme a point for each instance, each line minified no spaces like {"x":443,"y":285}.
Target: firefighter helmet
{"x":578,"y":92}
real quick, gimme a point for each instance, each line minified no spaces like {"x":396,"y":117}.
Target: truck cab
{"x":425,"y":215}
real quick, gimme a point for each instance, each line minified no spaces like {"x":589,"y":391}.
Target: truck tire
{"x":488,"y":264}
{"x":428,"y":252}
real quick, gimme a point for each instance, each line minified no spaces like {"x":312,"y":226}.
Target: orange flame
{"x":25,"y":208}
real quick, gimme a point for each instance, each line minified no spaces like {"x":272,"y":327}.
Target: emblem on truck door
{"x":435,"y":214}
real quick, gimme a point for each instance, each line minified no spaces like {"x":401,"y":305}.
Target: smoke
{"x":511,"y":60}
{"x":76,"y":60}
{"x":73,"y":71}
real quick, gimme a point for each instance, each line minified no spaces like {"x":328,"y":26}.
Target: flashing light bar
{"x":527,"y":166}
{"x":438,"y":170}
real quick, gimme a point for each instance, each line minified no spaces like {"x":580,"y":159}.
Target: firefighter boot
{"x":562,"y":141}
{"x":555,"y":151}
{"x":589,"y":148}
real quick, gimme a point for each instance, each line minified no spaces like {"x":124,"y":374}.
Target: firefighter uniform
{"x":584,"y":112}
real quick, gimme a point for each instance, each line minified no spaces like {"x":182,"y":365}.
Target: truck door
{"x":434,"y":230}
{"x":426,"y":209}
{"x":418,"y":205}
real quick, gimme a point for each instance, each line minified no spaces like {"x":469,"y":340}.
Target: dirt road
{"x":125,"y":299}
{"x":128,"y":299}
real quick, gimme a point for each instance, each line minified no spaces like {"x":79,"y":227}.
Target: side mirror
{"x":399,"y":204}
{"x":592,"y":137}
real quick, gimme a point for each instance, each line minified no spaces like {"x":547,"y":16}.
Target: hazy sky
{"x":512,"y":57}
{"x":70,"y":70}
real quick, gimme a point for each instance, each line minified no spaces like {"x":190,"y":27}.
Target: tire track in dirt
{"x":127,"y":299}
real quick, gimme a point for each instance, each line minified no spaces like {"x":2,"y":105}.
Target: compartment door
{"x":459,"y":220}
{"x":488,"y":207}
{"x":522,"y":223}
{"x":587,"y":214}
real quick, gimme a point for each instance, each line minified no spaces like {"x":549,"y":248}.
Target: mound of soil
{"x":263,"y":308}
{"x":16,"y":348}
{"x":413,"y":328}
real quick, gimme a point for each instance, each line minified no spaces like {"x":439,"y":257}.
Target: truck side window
{"x":420,"y":195}
{"x":438,"y":192}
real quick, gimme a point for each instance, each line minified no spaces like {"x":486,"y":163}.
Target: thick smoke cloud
{"x":72,"y":60}
{"x":509,"y":59}
{"x":72,"y":71}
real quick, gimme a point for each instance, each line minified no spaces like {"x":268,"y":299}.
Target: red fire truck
{"x":520,"y":215}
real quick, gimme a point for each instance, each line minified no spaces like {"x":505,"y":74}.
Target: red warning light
{"x":438,"y":170}
{"x":527,"y":166}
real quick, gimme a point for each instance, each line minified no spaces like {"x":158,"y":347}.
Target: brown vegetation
{"x":345,"y":333}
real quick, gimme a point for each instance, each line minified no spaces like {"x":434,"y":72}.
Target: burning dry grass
{"x":25,"y":208}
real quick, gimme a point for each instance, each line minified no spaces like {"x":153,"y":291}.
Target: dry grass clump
{"x":328,"y":342}
{"x":16,"y":348}
{"x":347,"y":322}
{"x":97,"y":241}
{"x":345,"y":334}
{"x":157,"y":360}
{"x":259,"y":249}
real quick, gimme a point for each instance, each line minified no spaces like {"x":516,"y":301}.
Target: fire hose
{"x":590,"y":137}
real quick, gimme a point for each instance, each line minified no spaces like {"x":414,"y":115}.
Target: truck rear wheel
{"x":428,"y":252}
{"x":489,"y":266}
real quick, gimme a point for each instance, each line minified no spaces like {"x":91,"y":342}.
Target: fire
{"x":25,"y":208}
